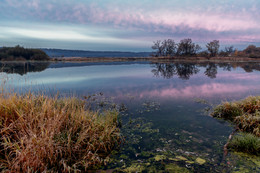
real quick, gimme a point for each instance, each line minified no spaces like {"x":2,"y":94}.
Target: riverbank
{"x":138,"y":59}
{"x":160,"y":59}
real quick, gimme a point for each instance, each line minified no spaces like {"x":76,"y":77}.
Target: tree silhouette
{"x":187,"y":48}
{"x":213,"y":48}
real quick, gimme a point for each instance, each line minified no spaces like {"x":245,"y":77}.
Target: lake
{"x":164,"y":108}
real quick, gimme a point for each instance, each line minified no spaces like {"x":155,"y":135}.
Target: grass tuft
{"x":245,"y":142}
{"x":40,"y":133}
{"x":245,"y":114}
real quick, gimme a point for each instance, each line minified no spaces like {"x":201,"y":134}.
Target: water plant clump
{"x":40,"y":133}
{"x":246,"y":142}
{"x":245,"y":114}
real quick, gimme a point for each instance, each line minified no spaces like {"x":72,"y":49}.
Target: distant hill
{"x":81,"y":53}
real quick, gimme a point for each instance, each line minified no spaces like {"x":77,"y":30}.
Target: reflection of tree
{"x":225,"y":66}
{"x":250,"y":67}
{"x":211,"y":70}
{"x":23,"y":67}
{"x":185,"y":70}
{"x":168,"y":70}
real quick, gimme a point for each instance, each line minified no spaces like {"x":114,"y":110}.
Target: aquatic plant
{"x":40,"y":133}
{"x":246,"y":142}
{"x":245,"y":114}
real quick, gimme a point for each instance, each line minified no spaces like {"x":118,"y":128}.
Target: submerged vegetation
{"x":39,"y":133}
{"x":245,"y":114}
{"x":20,"y":53}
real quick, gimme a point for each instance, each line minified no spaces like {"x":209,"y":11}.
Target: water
{"x":165,"y":124}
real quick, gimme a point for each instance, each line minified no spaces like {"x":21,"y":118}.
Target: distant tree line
{"x":186,"y":48}
{"x":169,"y":48}
{"x":20,"y":53}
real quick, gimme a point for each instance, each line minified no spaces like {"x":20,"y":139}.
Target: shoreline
{"x":148,"y":59}
{"x":157,"y":59}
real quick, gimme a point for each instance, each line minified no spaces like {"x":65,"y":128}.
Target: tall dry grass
{"x":40,"y":133}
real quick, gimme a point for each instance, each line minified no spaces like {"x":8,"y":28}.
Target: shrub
{"x":20,"y":53}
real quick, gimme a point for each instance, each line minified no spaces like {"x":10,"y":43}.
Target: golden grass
{"x":39,"y":133}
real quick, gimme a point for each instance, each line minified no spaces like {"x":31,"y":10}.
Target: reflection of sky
{"x":138,"y":80}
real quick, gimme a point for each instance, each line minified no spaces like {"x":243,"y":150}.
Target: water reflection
{"x":211,"y":70}
{"x":22,"y":68}
{"x":186,"y":70}
{"x":177,"y":128}
{"x":168,"y":70}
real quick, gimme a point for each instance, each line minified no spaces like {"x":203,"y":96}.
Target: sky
{"x":120,"y":25}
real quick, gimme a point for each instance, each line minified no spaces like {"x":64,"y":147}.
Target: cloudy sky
{"x":127,"y":25}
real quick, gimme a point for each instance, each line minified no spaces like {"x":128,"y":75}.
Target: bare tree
{"x":213,"y":48}
{"x":187,"y":48}
{"x":164,"y":48}
{"x":169,"y":48}
{"x":229,"y":49}
{"x":158,"y":48}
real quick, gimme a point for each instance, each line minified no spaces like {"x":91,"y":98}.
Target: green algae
{"x":135,"y":167}
{"x":149,"y":148}
{"x":200,"y":161}
{"x":181,"y":158}
{"x":190,"y":162}
{"x":174,"y":168}
{"x":160,"y":157}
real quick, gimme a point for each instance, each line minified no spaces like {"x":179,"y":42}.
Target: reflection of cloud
{"x":240,"y":76}
{"x":205,"y":90}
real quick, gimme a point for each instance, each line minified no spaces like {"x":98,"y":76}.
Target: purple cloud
{"x":202,"y":21}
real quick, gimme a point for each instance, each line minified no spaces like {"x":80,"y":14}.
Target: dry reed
{"x":40,"y":133}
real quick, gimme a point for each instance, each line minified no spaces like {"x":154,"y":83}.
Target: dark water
{"x":165,"y":124}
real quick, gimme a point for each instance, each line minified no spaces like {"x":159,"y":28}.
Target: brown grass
{"x":245,"y":114}
{"x":39,"y":133}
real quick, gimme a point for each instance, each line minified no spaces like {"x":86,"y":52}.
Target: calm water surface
{"x":165,"y":124}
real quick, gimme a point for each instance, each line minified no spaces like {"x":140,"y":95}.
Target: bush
{"x":254,"y":56}
{"x":20,"y":53}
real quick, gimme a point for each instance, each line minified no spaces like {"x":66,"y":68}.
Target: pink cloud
{"x":218,"y":20}
{"x":239,"y":76}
